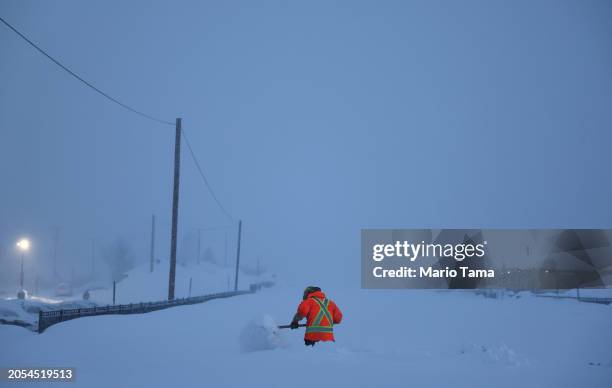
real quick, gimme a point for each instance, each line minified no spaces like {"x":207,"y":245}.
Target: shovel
{"x":289,"y":326}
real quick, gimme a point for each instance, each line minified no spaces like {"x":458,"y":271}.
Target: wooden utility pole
{"x":238,"y":256}
{"x":21,"y":274}
{"x":152,"y":242}
{"x":175,"y":200}
{"x":93,"y":258}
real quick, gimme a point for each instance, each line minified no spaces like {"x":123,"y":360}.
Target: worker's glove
{"x":294,"y":325}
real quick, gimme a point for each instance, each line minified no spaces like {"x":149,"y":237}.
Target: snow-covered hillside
{"x":388,"y":339}
{"x":142,"y":285}
{"x":139,"y":285}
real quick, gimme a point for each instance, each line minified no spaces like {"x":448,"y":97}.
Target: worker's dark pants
{"x":312,"y":343}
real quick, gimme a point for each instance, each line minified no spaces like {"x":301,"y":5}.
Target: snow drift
{"x":261,"y":333}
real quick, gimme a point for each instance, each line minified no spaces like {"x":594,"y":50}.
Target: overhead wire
{"x":78,"y":77}
{"x":210,"y":190}
{"x":125,"y":106}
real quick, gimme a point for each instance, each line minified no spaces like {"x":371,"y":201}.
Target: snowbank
{"x":25,"y":312}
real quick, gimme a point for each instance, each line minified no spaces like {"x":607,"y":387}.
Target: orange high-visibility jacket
{"x":321,"y":315}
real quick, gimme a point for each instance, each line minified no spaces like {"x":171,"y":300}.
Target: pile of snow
{"x":261,"y":333}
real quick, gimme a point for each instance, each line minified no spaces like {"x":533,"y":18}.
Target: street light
{"x":24,"y":246}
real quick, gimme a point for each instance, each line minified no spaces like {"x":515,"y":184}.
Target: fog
{"x":310,"y":120}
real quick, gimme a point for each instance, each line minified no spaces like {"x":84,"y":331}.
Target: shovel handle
{"x":289,"y":326}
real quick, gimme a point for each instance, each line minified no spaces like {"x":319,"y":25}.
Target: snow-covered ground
{"x":395,"y":338}
{"x":139,"y":285}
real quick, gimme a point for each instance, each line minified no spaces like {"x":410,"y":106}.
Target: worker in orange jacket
{"x":321,"y":315}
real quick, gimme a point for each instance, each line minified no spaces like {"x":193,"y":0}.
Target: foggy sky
{"x":312,"y":121}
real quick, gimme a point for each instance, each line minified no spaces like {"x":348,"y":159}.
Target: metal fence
{"x":49,"y":318}
{"x":501,"y":293}
{"x":587,"y":299}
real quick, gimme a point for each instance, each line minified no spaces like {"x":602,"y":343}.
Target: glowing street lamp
{"x":24,"y":246}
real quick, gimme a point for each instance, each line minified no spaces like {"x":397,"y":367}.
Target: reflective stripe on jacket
{"x":321,"y":315}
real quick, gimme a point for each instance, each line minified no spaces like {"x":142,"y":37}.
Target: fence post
{"x":40,"y":314}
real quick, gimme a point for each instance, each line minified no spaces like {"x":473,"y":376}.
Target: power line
{"x":210,"y":190}
{"x":72,"y":73}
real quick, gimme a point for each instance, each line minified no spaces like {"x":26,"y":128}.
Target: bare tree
{"x":119,"y":257}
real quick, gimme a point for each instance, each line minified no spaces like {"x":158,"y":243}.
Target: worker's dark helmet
{"x":310,"y":289}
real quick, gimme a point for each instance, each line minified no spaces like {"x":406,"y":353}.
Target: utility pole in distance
{"x":238,"y":256}
{"x":175,"y":199}
{"x":93,"y":258}
{"x":152,"y":242}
